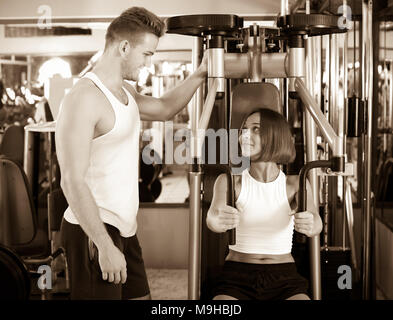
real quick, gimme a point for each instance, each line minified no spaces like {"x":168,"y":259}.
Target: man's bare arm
{"x":220,"y":216}
{"x":74,"y":134}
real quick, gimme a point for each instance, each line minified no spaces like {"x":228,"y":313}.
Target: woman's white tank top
{"x":266,"y":226}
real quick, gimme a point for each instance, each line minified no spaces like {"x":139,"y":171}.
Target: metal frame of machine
{"x":297,"y":64}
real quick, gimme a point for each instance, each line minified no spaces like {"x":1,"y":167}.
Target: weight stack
{"x":331,"y":260}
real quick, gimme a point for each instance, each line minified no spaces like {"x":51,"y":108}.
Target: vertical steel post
{"x":345,"y":88}
{"x":284,"y":8}
{"x":333,"y":119}
{"x":367,"y":90}
{"x":365,"y":235}
{"x":312,"y":54}
{"x":195,"y":223}
{"x":194,"y":254}
{"x":197,"y":99}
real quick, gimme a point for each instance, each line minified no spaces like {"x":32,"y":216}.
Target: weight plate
{"x":198,"y":25}
{"x":14,"y":277}
{"x":311,"y":24}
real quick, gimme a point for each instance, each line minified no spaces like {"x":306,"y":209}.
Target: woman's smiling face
{"x":250,"y":139}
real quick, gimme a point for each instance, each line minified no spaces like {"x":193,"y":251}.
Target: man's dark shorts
{"x":85,"y":272}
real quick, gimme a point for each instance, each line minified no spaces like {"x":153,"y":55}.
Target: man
{"x":97,"y":140}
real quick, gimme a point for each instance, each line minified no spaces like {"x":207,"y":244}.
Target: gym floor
{"x":175,"y":188}
{"x":165,"y":284}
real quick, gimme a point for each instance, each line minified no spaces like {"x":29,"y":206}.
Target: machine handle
{"x":231,"y":202}
{"x":302,"y":203}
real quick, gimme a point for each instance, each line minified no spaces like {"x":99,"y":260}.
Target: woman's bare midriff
{"x":259,"y":258}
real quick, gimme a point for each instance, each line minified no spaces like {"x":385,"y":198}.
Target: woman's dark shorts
{"x":246,"y":281}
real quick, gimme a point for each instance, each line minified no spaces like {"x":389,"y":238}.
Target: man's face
{"x":138,"y":55}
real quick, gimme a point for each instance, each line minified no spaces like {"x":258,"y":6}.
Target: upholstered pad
{"x":247,"y":97}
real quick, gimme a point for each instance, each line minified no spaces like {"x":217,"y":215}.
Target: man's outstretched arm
{"x":165,"y":107}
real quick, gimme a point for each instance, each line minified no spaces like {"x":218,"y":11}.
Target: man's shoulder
{"x":85,"y":93}
{"x":84,"y":100}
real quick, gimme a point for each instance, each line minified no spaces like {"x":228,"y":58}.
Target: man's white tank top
{"x":112,"y":175}
{"x":266,"y":226}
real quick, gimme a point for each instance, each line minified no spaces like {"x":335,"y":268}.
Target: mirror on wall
{"x":38,"y":67}
{"x":164,"y":174}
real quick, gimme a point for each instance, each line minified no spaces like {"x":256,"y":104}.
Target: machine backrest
{"x":247,"y":97}
{"x":17,"y":214}
{"x":12,"y":145}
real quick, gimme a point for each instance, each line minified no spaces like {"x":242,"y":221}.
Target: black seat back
{"x":17,"y":214}
{"x":12,"y":145}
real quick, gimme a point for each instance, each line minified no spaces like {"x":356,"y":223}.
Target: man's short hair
{"x":277,"y":143}
{"x":133,"y":22}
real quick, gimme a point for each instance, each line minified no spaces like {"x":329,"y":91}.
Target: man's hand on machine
{"x":202,"y":68}
{"x":113,"y":264}
{"x":222,"y":218}
{"x":304,"y":223}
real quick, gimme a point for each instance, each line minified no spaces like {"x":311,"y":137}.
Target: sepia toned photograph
{"x":198,"y":155}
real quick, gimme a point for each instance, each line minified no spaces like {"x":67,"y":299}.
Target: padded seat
{"x":12,"y":144}
{"x":19,"y":231}
{"x":18,"y":228}
{"x":39,"y":246}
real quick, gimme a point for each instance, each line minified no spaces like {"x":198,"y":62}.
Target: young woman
{"x":260,"y":265}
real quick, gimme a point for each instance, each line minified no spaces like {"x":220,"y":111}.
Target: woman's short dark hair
{"x":277,"y":143}
{"x":132,"y":22}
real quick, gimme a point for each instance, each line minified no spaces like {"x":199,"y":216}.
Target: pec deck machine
{"x":242,"y":61}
